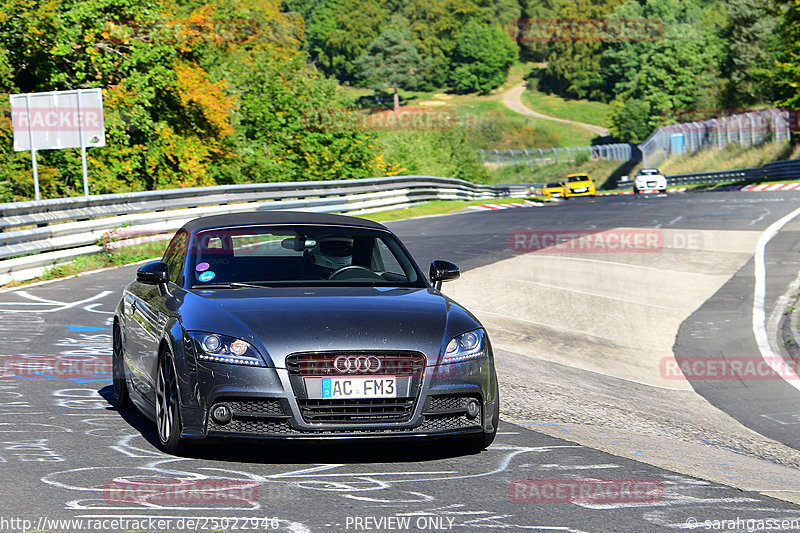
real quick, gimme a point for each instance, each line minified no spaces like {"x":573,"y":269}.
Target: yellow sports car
{"x":579,"y":185}
{"x":553,"y":190}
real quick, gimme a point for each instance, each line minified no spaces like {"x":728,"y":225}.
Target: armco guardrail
{"x":59,"y":230}
{"x":776,"y":171}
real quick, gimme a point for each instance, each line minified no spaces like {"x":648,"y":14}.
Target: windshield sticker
{"x":202,"y":267}
{"x":206,"y":276}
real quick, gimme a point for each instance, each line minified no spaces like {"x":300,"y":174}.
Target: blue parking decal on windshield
{"x":326,"y":387}
{"x":206,"y":276}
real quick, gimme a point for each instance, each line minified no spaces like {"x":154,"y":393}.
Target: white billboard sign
{"x":61,"y":119}
{"x":56,"y":120}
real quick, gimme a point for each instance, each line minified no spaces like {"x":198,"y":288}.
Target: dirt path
{"x":512,"y":100}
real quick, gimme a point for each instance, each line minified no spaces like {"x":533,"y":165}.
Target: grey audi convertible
{"x":284,"y":325}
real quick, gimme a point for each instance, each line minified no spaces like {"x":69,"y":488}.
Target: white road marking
{"x":579,"y":467}
{"x":775,"y":361}
{"x":60,"y":306}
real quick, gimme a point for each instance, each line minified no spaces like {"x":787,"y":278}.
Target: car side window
{"x":384,"y":260}
{"x":175,"y":257}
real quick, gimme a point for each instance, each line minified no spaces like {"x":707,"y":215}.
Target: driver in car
{"x":333,"y":252}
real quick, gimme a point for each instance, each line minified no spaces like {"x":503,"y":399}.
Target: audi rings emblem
{"x":357,"y":364}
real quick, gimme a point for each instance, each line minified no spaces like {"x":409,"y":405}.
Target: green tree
{"x":482,"y":57}
{"x":631,"y":120}
{"x":435,"y":26}
{"x":339,"y":31}
{"x":391,"y":62}
{"x":194,"y":94}
{"x":751,"y":48}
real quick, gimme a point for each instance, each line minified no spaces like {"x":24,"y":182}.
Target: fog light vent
{"x":221,"y":413}
{"x":473,"y":408}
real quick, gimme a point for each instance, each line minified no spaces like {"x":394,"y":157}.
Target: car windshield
{"x":649,"y":172}
{"x":554,"y":185}
{"x":572,"y":179}
{"x":299,"y":255}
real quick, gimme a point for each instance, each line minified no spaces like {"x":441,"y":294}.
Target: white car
{"x":649,"y":179}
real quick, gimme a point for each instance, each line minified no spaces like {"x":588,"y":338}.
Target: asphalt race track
{"x":67,"y":454}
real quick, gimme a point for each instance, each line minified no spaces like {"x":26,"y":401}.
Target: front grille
{"x":402,"y":365}
{"x":255,"y":407}
{"x":366,"y":410}
{"x":277,"y":428}
{"x":251,"y":415}
{"x":253,"y":426}
{"x":321,"y":363}
{"x":447,"y":404}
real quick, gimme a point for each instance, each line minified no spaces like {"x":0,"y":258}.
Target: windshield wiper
{"x":228,"y":285}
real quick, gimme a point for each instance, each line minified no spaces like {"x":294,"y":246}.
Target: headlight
{"x":224,"y":349}
{"x":468,"y":345}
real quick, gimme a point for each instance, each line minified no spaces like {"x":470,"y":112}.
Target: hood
{"x":280,"y":321}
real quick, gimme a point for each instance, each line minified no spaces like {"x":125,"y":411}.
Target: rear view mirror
{"x":442,"y":271}
{"x":298,"y":244}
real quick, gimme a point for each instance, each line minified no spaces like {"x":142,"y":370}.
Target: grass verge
{"x":599,"y":170}
{"x":577,"y":110}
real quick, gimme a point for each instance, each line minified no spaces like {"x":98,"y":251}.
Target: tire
{"x":168,"y":412}
{"x":122,"y":399}
{"x":635,"y":190}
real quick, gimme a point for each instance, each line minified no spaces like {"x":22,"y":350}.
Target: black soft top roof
{"x":277,"y":217}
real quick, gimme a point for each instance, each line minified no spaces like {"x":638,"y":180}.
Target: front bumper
{"x":268,"y":403}
{"x":586,"y":192}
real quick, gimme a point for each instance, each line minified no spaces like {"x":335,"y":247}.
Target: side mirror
{"x":153,"y":273}
{"x":442,"y":271}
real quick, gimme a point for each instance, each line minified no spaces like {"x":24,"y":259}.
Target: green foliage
{"x":194,"y":94}
{"x":435,"y":153}
{"x":279,"y":136}
{"x":787,"y":78}
{"x":631,"y":120}
{"x":482,"y":57}
{"x":339,"y":31}
{"x":751,"y":48}
{"x":391,"y":62}
{"x":435,"y":26}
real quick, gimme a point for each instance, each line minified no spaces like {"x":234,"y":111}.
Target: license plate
{"x":580,"y":189}
{"x":652,"y":184}
{"x":382,"y":387}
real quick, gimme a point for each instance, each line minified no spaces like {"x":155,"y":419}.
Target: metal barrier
{"x":59,"y":230}
{"x":747,"y":129}
{"x":776,"y":171}
{"x":549,"y":156}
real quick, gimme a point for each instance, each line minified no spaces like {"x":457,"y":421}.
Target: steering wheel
{"x":355,"y":269}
